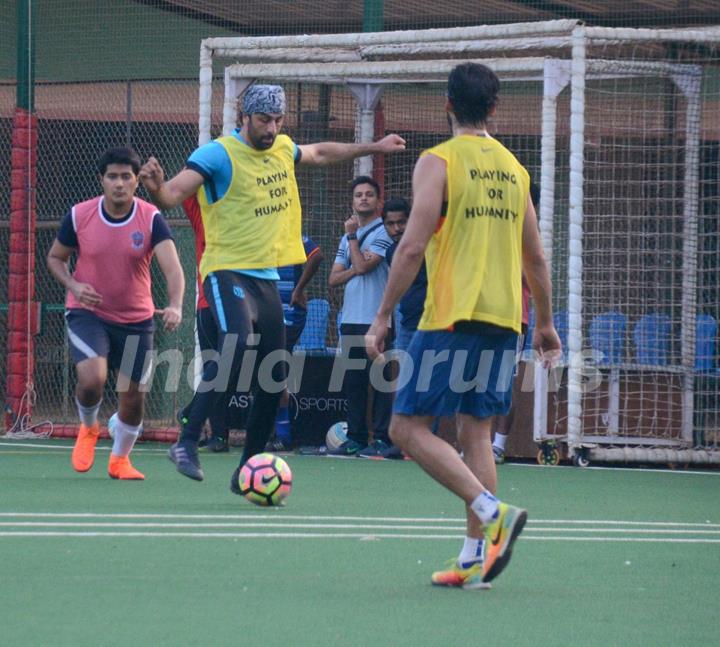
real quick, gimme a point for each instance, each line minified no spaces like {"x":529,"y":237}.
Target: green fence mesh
{"x":114,"y":73}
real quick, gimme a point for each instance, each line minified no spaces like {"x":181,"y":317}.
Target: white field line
{"x":360,"y":536}
{"x":73,"y":524}
{"x":279,"y":515}
{"x":335,"y":526}
{"x":6,"y":444}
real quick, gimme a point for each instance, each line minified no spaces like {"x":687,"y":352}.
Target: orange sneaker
{"x":120,"y":467}
{"x":83,"y":454}
{"x":468,"y":578}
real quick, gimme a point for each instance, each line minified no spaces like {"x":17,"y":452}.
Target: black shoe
{"x":185,"y":457}
{"x":234,"y":484}
{"x":277,"y":446}
{"x":217,"y":445}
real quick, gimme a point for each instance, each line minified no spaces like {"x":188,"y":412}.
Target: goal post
{"x":613,"y":123}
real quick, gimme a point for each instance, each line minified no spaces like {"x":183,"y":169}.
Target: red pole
{"x":22,"y":309}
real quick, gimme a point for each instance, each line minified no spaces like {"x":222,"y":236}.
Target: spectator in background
{"x":293,"y":279}
{"x":503,"y":424}
{"x":410,"y":307}
{"x":360,"y":267}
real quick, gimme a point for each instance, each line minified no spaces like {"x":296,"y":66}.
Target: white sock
{"x":125,"y":437}
{"x":485,"y":506}
{"x":88,"y":415}
{"x":472,"y":552}
{"x":500,"y":440}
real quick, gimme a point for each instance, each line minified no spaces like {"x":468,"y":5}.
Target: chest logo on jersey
{"x":138,"y":239}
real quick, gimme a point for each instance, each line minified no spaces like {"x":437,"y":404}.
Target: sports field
{"x":609,"y":556}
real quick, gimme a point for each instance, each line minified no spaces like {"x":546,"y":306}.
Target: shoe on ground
{"x":378,"y":450}
{"x":184,"y":455}
{"x":467,"y":576}
{"x":234,"y":481}
{"x":500,"y":535}
{"x":83,"y":454}
{"x":215,"y":444}
{"x":498,"y":455}
{"x":277,"y":446}
{"x":348,"y":448}
{"x":120,"y":467}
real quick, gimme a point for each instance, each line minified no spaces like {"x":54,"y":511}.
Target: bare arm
{"x":311,"y":267}
{"x":57,"y":262}
{"x":167,"y":195}
{"x":545,"y":337}
{"x":324,"y":153}
{"x":428,"y":193}
{"x":363,"y":262}
{"x":167,"y":258}
{"x":339,"y":275}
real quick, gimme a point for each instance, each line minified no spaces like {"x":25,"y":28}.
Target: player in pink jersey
{"x":109,"y":306}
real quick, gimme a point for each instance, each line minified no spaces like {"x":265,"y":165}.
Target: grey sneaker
{"x":185,"y":457}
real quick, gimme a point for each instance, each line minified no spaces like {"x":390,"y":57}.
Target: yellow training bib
{"x":474,"y":259}
{"x":257,"y":223}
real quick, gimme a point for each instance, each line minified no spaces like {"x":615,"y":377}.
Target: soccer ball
{"x":265,"y":480}
{"x":336,"y":435}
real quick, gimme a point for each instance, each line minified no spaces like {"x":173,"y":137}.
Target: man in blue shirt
{"x":360,"y":267}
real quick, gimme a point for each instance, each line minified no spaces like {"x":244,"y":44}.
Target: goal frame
{"x":346,"y":58}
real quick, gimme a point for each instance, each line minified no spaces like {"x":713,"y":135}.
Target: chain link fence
{"x":110,"y":73}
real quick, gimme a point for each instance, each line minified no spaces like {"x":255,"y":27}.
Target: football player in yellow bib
{"x":248,"y":196}
{"x":473,"y":220}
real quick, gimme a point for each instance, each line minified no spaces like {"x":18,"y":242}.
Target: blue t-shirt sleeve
{"x":298,"y":153}
{"x":160,"y":230}
{"x":342,"y":255}
{"x":208,"y":160}
{"x":380,"y":243}
{"x":66,"y":234}
{"x":213,"y":163}
{"x":310,"y":245}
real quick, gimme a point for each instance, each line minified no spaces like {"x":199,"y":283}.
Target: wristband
{"x":352,"y":236}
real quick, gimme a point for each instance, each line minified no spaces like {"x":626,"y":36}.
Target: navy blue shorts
{"x":125,"y":346}
{"x":445,"y":373}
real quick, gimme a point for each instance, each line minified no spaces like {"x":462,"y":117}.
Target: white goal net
{"x":619,"y":128}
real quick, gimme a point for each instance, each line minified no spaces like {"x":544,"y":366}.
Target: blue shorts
{"x":124,"y":346}
{"x":444,"y":373}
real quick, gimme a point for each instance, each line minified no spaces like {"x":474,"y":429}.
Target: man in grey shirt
{"x":360,"y":266}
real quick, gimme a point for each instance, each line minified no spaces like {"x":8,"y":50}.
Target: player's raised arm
{"x":170,"y":193}
{"x":323,"y":153}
